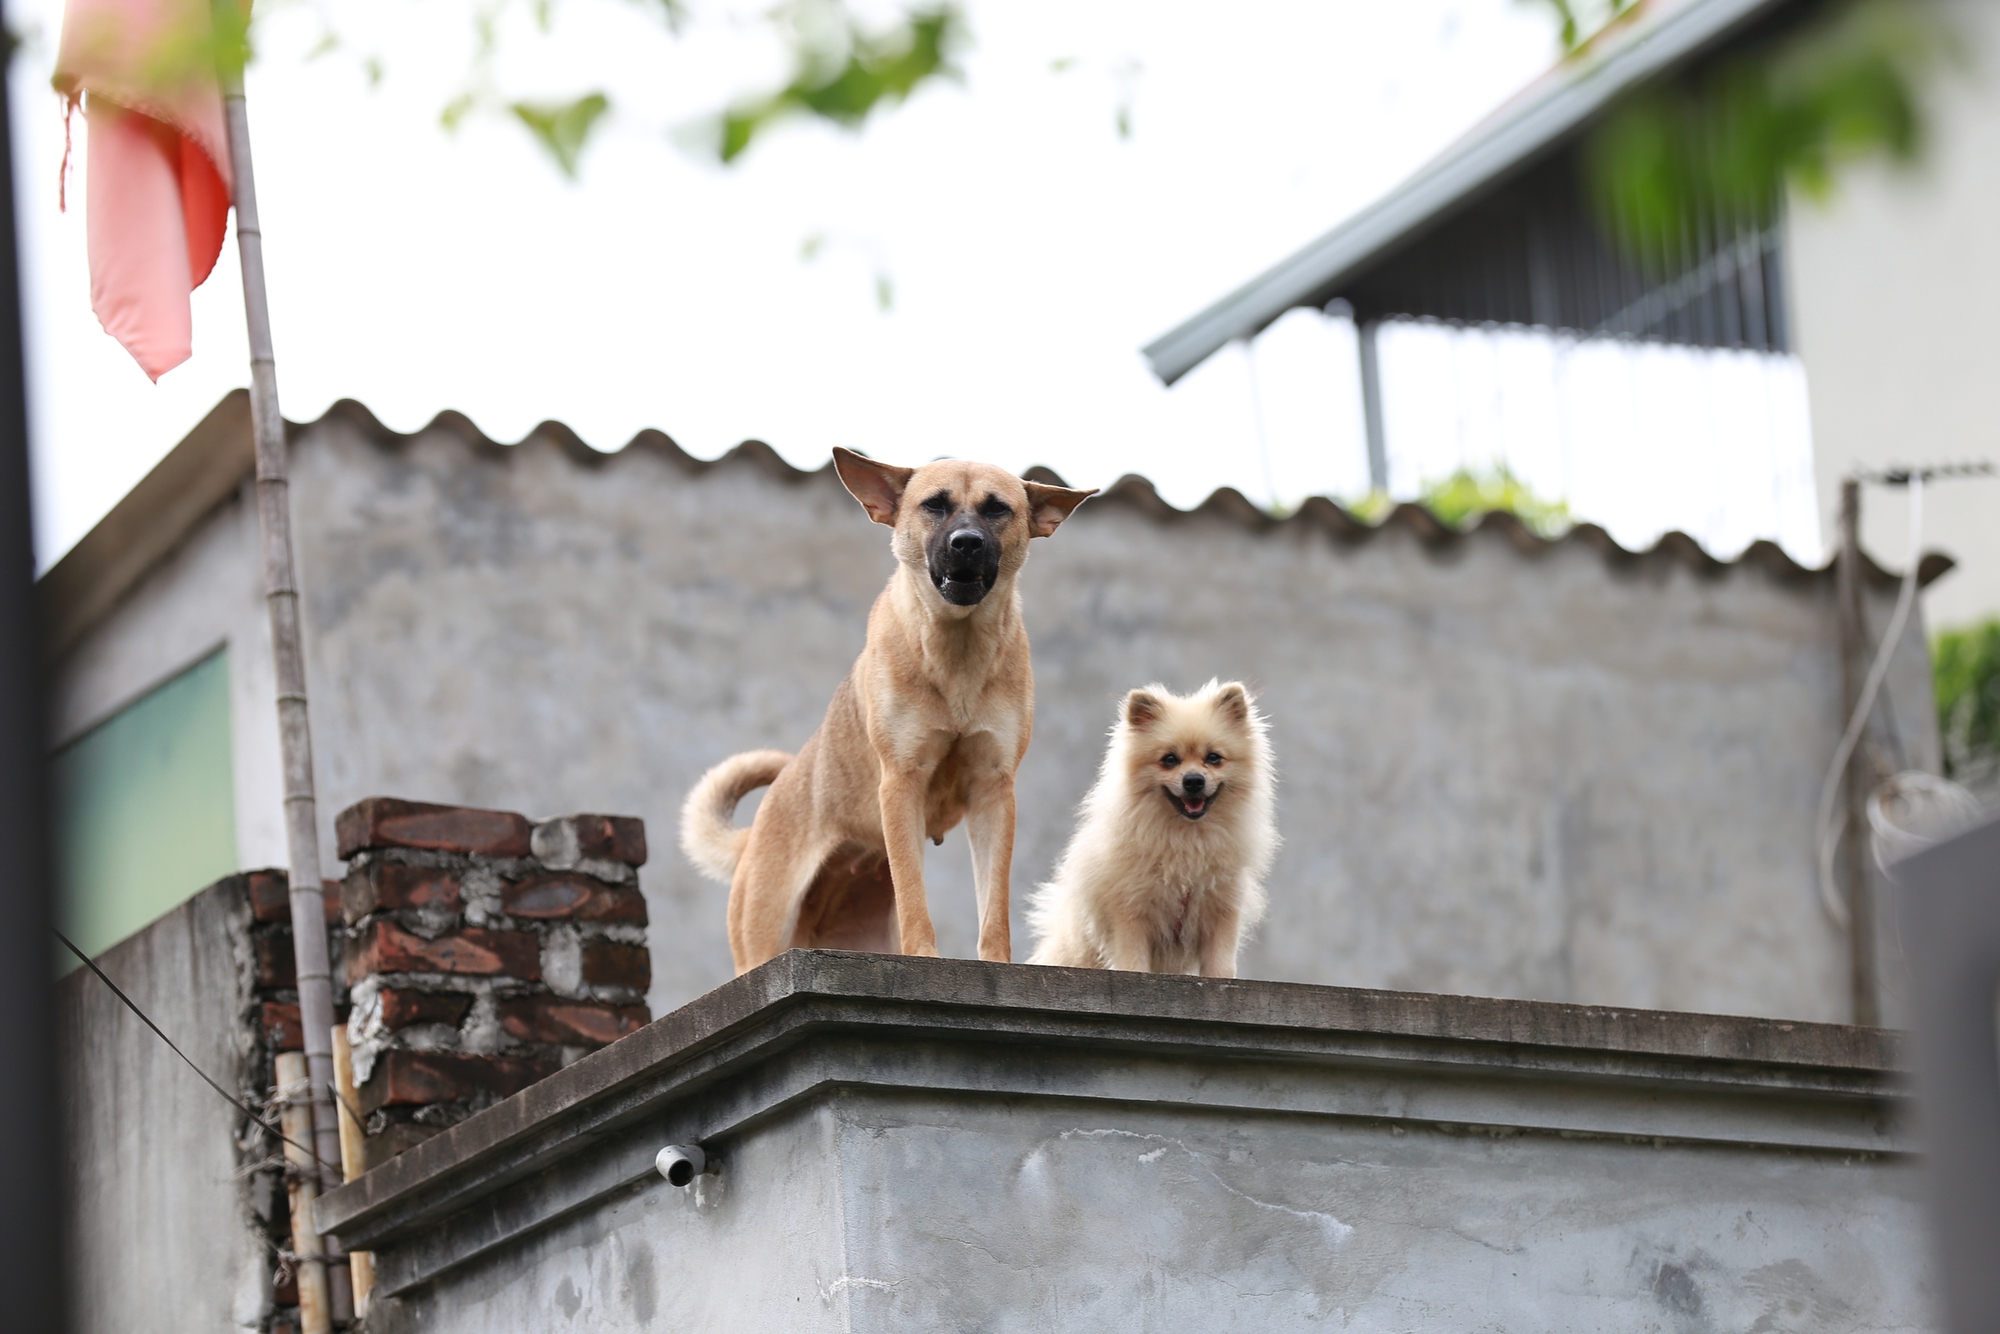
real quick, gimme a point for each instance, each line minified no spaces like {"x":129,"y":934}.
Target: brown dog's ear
{"x":1142,"y":709}
{"x":878,"y":486}
{"x":1233,"y":702}
{"x":1049,"y":505}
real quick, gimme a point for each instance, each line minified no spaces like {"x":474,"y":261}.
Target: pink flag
{"x":159,"y":164}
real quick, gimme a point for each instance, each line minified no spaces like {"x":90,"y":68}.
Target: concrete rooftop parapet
{"x":809,"y":1023}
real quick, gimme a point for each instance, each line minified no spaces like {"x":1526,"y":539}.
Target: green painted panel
{"x":146,"y":808}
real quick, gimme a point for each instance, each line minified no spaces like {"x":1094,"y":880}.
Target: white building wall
{"x":1896,"y":298}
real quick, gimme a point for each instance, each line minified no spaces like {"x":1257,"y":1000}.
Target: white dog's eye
{"x":1169,"y":760}
{"x":1212,"y":759}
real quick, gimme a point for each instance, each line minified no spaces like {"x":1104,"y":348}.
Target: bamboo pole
{"x":281,"y":595}
{"x":353,"y":1159}
{"x":302,"y":1187}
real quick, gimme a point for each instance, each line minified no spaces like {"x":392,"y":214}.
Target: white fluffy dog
{"x":1165,"y":873}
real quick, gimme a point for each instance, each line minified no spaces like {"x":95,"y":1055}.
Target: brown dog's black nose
{"x":1193,"y":784}
{"x":968,"y":542}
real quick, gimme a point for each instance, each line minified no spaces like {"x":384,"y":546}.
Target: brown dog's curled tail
{"x":708,"y":836}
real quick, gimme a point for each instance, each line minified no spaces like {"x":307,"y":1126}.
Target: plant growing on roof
{"x":1965,"y":668}
{"x":1461,"y":498}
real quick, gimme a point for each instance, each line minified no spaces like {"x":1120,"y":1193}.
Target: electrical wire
{"x":1913,"y":810}
{"x":227,"y":1096}
{"x":1826,"y":829}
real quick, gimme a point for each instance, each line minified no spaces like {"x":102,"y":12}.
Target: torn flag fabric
{"x":159,"y":171}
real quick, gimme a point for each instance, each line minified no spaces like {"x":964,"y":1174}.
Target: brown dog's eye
{"x":939,"y":504}
{"x":1212,"y":759}
{"x":1169,"y":760}
{"x":996,"y":510}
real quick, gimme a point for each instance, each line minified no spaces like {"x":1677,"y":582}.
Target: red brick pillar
{"x":484,"y":952}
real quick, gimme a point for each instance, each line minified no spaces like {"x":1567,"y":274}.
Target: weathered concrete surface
{"x":160,"y":1230}
{"x":1563,"y":773}
{"x":943,"y":1145}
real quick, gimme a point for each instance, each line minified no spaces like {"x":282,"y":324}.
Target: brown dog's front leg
{"x":902,"y":798}
{"x":989,"y":827}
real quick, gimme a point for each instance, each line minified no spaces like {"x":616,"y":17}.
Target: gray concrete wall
{"x":913,"y":1213}
{"x":161,"y":1234}
{"x":1894,"y":284}
{"x":913,"y":1146}
{"x":208,"y":592}
{"x":1553,"y":773}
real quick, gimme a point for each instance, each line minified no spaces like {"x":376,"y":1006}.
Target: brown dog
{"x":927,"y":730}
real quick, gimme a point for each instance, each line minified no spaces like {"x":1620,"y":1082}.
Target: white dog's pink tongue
{"x":1195,"y":804}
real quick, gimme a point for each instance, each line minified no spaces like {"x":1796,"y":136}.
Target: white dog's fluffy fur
{"x":1161,"y":877}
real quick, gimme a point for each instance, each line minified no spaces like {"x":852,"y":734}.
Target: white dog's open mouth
{"x":1192,"y":807}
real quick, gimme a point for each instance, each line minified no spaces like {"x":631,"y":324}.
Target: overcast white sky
{"x":1032,"y":250}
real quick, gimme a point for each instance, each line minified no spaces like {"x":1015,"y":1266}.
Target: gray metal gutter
{"x":1596,"y":80}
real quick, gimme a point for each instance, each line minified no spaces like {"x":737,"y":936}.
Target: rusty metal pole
{"x":281,"y":597}
{"x":1860,"y":895}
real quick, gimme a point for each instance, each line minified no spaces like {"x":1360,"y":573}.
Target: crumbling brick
{"x":271,"y":897}
{"x":471,"y":951}
{"x":273,"y":1021}
{"x":389,"y":822}
{"x":277,"y":969}
{"x":553,"y":1019}
{"x":574,"y":897}
{"x":616,"y":838}
{"x":404,"y":1078}
{"x":610,"y":963}
{"x":404,"y":1006}
{"x":392,"y":886}
{"x":486,"y":1021}
{"x":278,"y":1024}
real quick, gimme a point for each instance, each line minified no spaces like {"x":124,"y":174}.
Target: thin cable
{"x":228,"y":1097}
{"x":1826,"y":830}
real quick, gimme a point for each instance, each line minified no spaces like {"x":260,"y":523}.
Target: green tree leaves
{"x":843,"y":73}
{"x":1965,"y":676}
{"x":1580,"y":20}
{"x":1727,"y":140}
{"x":561,"y":129}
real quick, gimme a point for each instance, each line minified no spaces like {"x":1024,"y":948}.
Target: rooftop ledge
{"x":810,"y":1022}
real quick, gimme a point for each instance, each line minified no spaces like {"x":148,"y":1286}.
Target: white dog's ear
{"x":878,"y":486}
{"x":1142,"y":709}
{"x":1233,"y":701}
{"x":1049,"y":505}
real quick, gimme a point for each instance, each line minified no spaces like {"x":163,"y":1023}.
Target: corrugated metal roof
{"x":1656,"y":39}
{"x":212,"y":462}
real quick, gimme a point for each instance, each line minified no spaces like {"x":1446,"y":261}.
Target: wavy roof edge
{"x":210,"y":463}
